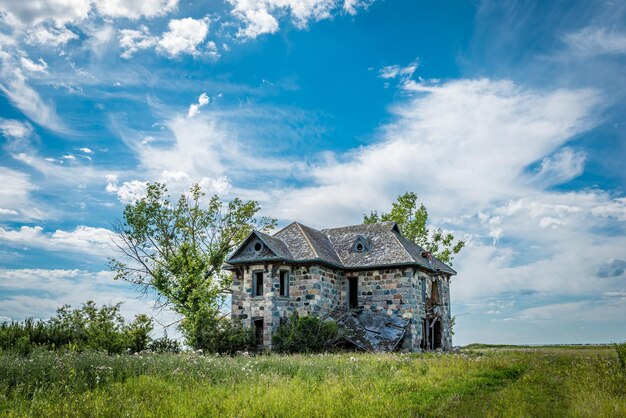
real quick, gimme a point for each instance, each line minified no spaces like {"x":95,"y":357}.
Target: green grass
{"x":479,"y":381}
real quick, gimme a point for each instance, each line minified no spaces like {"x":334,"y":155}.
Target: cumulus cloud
{"x":203,"y":100}
{"x":128,"y":191}
{"x":132,"y":41}
{"x":260,"y":16}
{"x":62,"y":12}
{"x":177,"y":182}
{"x":183,"y":36}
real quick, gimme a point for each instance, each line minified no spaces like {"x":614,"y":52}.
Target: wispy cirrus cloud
{"x":596,"y":40}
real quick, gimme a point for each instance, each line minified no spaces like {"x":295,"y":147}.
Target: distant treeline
{"x":86,"y":328}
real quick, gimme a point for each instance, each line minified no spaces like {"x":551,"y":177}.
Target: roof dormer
{"x":361,"y":244}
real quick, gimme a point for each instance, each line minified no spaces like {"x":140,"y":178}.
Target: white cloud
{"x":203,"y":100}
{"x":86,"y":150}
{"x":260,"y":16}
{"x":396,"y":71}
{"x":591,"y":41}
{"x":132,"y":41}
{"x":177,"y":182}
{"x":135,"y":9}
{"x":561,"y":167}
{"x":615,"y":209}
{"x":14,"y":84}
{"x":183,"y":36}
{"x":449,"y":140}
{"x":83,"y":239}
{"x":61,"y":12}
{"x":42,"y":35}
{"x":15,"y":129}
{"x":128,"y":192}
{"x":34,"y":67}
{"x":15,"y":194}
{"x":32,"y":12}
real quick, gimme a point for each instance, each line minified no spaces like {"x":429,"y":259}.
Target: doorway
{"x":258,"y":331}
{"x":353,"y":292}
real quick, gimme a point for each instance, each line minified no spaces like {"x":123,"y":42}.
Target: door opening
{"x":353,"y":292}
{"x":258,"y":331}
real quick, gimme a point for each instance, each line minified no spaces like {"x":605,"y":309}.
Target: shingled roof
{"x":335,"y":247}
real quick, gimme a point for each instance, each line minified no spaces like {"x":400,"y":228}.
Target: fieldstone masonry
{"x":418,"y":290}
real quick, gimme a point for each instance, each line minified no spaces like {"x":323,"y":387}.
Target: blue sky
{"x":506,"y":118}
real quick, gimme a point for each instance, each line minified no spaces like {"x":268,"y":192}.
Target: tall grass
{"x":486,"y":382}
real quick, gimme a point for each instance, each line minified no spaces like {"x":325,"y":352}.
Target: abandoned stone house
{"x":367,"y":277}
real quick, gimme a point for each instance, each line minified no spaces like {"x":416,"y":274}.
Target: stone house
{"x":369,"y":270}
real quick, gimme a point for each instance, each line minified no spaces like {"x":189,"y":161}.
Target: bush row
{"x":85,"y":328}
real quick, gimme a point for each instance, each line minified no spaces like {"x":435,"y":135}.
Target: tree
{"x":176,"y":250}
{"x":412,"y":222}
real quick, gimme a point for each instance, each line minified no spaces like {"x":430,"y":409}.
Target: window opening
{"x":434,"y":295}
{"x":283,"y":283}
{"x":258,"y":284}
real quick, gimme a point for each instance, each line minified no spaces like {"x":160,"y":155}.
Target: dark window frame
{"x":255,"y":283}
{"x":283,"y":283}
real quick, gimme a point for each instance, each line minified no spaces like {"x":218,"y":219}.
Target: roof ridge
{"x":283,"y":228}
{"x":299,"y":225}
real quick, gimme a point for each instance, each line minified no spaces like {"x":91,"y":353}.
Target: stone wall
{"x":320,"y":290}
{"x":312,"y":290}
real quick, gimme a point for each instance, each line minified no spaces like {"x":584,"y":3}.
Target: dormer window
{"x":361,"y":245}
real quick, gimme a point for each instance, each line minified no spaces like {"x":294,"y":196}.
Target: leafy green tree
{"x":177,"y":250}
{"x":412,"y":221}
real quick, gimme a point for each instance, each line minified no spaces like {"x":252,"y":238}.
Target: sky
{"x":505,"y":118}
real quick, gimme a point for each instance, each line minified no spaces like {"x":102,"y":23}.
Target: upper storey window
{"x":361,"y":245}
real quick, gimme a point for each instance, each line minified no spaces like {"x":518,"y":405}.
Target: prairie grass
{"x":484,"y":381}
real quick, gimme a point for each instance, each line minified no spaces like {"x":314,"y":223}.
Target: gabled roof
{"x":334,"y":246}
{"x":276,"y":249}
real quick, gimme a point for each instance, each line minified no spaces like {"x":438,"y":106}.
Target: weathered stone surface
{"x":403,"y":294}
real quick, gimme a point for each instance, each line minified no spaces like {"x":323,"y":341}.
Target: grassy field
{"x":478,"y":381}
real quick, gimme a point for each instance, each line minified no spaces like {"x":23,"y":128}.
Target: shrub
{"x":210,"y":334}
{"x":88,"y":327}
{"x":164,"y":345}
{"x":306,"y":334}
